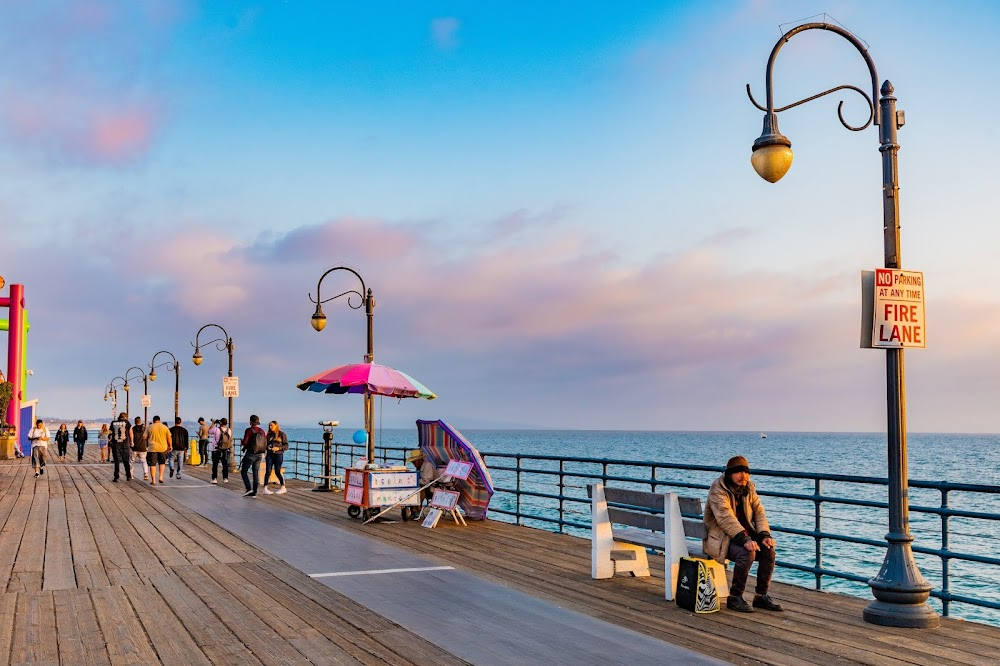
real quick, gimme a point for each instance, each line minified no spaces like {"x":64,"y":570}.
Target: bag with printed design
{"x":696,"y":589}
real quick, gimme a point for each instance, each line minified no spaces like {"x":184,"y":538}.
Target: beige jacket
{"x":721,"y":523}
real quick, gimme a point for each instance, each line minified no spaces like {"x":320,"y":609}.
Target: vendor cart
{"x":367,"y":491}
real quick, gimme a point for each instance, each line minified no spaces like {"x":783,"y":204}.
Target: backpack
{"x":225,"y":439}
{"x":259,"y":443}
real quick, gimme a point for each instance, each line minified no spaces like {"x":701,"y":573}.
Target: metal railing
{"x":550,"y":492}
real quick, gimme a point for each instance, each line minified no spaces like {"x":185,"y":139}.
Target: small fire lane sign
{"x":897,"y":311}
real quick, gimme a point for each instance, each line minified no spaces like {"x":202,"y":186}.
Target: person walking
{"x":202,"y":442}
{"x":277,"y":444}
{"x":179,"y":437}
{"x":159,"y":443}
{"x":62,"y":442}
{"x":39,"y":437}
{"x":737,"y":529}
{"x":223,"y":448}
{"x":80,"y":437}
{"x":254,"y":445}
{"x":139,"y":448}
{"x":102,"y":442}
{"x":121,"y":443}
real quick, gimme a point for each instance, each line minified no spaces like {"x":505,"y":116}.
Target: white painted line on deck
{"x":378,"y":571}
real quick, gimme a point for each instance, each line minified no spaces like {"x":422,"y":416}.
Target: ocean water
{"x":957,"y":458}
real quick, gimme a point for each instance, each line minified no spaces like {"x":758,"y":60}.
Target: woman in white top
{"x":39,"y":438}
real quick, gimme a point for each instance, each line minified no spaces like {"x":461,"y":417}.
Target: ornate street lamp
{"x":900,"y":590}
{"x":176,"y":367}
{"x":225,"y":343}
{"x":145,"y":391}
{"x":319,"y":323}
{"x":111,"y":391}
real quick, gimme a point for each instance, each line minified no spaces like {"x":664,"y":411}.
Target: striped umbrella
{"x":366,"y":378}
{"x":442,"y":443}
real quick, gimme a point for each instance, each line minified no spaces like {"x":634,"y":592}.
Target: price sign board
{"x":896,"y":301}
{"x":354,"y":494}
{"x":458,"y":469}
{"x":433,"y":516}
{"x":230,"y":387}
{"x":444,"y":499}
{"x":146,"y":402}
{"x":355,"y":478}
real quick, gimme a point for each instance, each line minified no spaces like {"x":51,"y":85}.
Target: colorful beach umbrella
{"x":441,"y":444}
{"x":366,"y":378}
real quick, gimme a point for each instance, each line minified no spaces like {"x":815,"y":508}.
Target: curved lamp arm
{"x":772,"y":151}
{"x":142,"y":375}
{"x":175,"y":366}
{"x":319,"y":318}
{"x":224,"y":343}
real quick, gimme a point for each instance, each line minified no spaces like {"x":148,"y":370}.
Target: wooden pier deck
{"x":96,"y":572}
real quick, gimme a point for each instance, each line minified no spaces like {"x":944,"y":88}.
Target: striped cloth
{"x":441,"y":444}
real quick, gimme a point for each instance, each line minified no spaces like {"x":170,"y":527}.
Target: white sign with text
{"x":898,"y":320}
{"x":146,"y":401}
{"x":230,"y":387}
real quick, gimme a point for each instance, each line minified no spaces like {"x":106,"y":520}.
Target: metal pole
{"x":145,"y":392}
{"x":900,"y":590}
{"x":369,"y":401}
{"x":324,"y":487}
{"x":232,"y":458}
{"x":177,"y":390}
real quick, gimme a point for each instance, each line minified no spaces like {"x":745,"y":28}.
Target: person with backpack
{"x":277,"y":444}
{"x":222,"y":448}
{"x":254,"y":446}
{"x":121,"y":441}
{"x":203,"y":430}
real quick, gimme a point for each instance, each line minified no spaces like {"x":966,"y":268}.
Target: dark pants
{"x":79,"y":451}
{"x":220,"y":456}
{"x":273,"y":461}
{"x":61,"y":448}
{"x":742,"y":559}
{"x":250,"y":460}
{"x":119,"y":453}
{"x":203,"y":451}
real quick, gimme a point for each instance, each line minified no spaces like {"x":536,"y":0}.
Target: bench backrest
{"x":645,"y":510}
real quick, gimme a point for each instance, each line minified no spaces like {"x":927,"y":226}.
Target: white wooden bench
{"x":654,"y":521}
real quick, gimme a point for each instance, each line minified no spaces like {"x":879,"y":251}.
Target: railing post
{"x":562,"y":492}
{"x":517,"y":509}
{"x":945,"y":560}
{"x":817,"y":528}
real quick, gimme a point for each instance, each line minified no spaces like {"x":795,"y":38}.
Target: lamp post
{"x":176,"y":367}
{"x":225,"y":343}
{"x":899,"y":588}
{"x":111,"y":391}
{"x":319,"y":323}
{"x":145,"y":391}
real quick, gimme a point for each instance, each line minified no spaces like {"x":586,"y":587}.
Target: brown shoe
{"x":765,"y":602}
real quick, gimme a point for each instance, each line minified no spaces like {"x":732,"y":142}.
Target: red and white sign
{"x":230,"y":387}
{"x":898,"y":321}
{"x":354,"y":495}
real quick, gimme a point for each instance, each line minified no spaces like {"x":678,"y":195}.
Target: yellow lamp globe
{"x":771,"y":162}
{"x":772,"y":151}
{"x":318,"y":319}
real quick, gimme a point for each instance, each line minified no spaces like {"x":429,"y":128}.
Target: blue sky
{"x":552,"y":202}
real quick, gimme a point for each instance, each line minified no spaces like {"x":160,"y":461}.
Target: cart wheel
{"x":368,"y":514}
{"x":353,"y":511}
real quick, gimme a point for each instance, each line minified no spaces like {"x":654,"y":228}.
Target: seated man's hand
{"x":769,"y":542}
{"x":751,"y":545}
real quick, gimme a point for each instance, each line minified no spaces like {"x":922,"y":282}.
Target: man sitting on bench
{"x":737,"y":529}
{"x":428,"y":472}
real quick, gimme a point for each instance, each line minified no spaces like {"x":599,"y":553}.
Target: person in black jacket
{"x":277,"y":444}
{"x":251,"y":456}
{"x":121,"y":443}
{"x":80,"y":437}
{"x":62,"y":441}
{"x":179,"y":442}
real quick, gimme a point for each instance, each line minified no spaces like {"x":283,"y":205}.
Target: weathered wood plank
{"x":34,"y":638}
{"x":126,"y":640}
{"x":78,"y":633}
{"x":165,"y":630}
{"x":58,"y":573}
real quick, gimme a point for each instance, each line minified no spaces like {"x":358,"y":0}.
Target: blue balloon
{"x":360,"y":437}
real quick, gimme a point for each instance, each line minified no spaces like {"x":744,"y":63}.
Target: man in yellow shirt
{"x":159,"y":443}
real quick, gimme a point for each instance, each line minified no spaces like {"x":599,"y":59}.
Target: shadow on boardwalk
{"x":95,"y":572}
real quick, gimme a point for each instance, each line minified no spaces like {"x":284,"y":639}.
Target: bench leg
{"x":639,"y":567}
